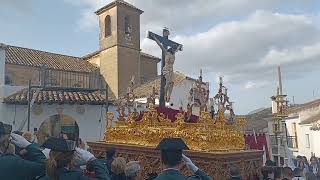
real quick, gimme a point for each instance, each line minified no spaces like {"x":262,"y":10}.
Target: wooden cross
{"x":166,"y":43}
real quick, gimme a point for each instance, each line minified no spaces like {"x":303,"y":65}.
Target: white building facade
{"x":303,"y":124}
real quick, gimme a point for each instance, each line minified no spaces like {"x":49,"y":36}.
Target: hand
{"x":84,"y":155}
{"x":19,"y":141}
{"x":46,"y":152}
{"x":189,"y":164}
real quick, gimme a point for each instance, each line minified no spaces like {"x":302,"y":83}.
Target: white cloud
{"x":229,"y":37}
{"x":248,"y":49}
{"x":187,"y":16}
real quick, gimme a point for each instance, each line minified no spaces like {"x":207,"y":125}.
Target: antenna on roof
{"x":293,"y":102}
{"x":313,"y":96}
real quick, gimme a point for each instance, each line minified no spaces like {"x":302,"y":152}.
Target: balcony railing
{"x":276,"y":140}
{"x":292,"y":142}
{"x":51,"y":79}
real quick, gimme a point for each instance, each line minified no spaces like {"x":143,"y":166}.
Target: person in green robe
{"x":172,"y":156}
{"x":60,"y":165}
{"x":13,"y":167}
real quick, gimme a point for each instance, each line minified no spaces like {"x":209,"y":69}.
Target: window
{"x":107,"y":26}
{"x":127,"y":29}
{"x":307,"y":141}
{"x":7,"y":80}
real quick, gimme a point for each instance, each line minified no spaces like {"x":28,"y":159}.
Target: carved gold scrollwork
{"x":202,"y":136}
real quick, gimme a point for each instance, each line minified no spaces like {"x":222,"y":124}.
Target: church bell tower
{"x":119,"y":41}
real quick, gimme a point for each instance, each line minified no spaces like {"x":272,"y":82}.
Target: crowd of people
{"x":62,"y":159}
{"x":301,"y":169}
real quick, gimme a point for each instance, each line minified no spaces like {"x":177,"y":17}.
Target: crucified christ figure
{"x":168,"y":67}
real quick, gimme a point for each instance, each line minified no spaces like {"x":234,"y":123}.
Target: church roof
{"x":150,"y":56}
{"x":57,"y":97}
{"x":90,"y":55}
{"x":311,"y":119}
{"x":36,"y":58}
{"x":305,"y":106}
{"x":146,"y":89}
{"x":115,"y":3}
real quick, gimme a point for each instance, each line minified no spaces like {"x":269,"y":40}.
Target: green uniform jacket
{"x":98,"y":166}
{"x":172,"y":174}
{"x":13,"y":167}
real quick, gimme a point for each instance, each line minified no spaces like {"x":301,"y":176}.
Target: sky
{"x":242,"y":40}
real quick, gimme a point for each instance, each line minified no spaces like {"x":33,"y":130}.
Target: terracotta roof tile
{"x":57,"y":96}
{"x":36,"y":58}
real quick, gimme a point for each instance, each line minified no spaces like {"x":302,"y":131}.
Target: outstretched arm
{"x":159,"y":43}
{"x":178,"y":48}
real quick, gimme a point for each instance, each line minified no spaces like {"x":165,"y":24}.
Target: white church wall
{"x":180,"y":94}
{"x":91,"y":122}
{"x":306,"y":146}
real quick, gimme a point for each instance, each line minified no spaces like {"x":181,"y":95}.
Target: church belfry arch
{"x":107,"y":26}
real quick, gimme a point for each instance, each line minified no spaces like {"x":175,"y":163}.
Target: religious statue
{"x":221,"y":99}
{"x":109,"y":119}
{"x":121,"y":110}
{"x":199,"y":94}
{"x":127,"y":101}
{"x":167,"y":70}
{"x":189,"y":112}
{"x":151,"y":100}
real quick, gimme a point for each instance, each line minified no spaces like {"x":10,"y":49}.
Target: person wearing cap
{"x":13,"y":167}
{"x":172,"y":156}
{"x":60,"y":165}
{"x":110,"y":152}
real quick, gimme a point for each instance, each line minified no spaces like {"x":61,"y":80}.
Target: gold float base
{"x":215,"y":164}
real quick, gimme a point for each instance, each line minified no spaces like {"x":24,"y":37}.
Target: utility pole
{"x":29,"y":104}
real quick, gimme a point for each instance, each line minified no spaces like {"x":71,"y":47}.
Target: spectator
{"x":267,"y":173}
{"x":172,"y":157}
{"x":10,"y":165}
{"x":117,"y":168}
{"x":298,"y":174}
{"x":306,"y":164}
{"x":310,"y":176}
{"x":287,"y":173}
{"x":234,"y":173}
{"x":109,"y":158}
{"x":132,"y":170}
{"x":90,"y":171}
{"x":60,"y":166}
{"x":314,"y":167}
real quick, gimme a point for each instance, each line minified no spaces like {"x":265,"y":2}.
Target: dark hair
{"x":171,"y":157}
{"x":313,"y":157}
{"x":287,"y":171}
{"x":270,"y":163}
{"x":110,"y":152}
{"x":57,"y":160}
{"x":234,"y":171}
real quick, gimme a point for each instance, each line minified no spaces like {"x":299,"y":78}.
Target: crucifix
{"x":169,"y":48}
